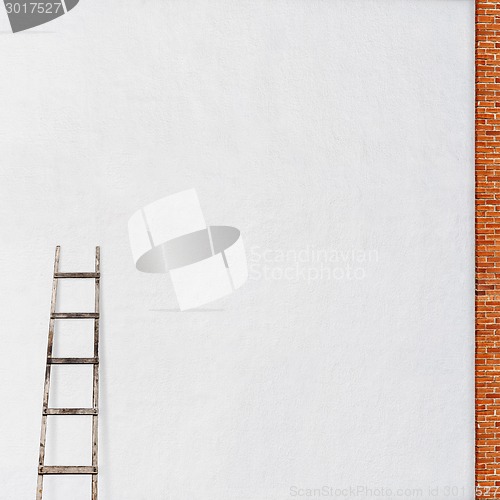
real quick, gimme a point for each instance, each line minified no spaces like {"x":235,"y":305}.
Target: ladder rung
{"x":70,"y":411}
{"x":77,"y":275}
{"x":74,"y":315}
{"x":73,"y":361}
{"x":68,"y":469}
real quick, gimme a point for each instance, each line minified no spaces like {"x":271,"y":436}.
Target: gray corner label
{"x":24,"y":15}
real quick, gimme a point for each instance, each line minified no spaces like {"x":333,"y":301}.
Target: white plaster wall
{"x":342,"y":125}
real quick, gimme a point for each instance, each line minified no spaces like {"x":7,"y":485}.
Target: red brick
{"x":487,"y":243}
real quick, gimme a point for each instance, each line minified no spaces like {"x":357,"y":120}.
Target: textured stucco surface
{"x":336,"y":125}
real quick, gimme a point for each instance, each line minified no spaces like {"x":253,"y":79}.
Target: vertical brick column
{"x":488,"y":249}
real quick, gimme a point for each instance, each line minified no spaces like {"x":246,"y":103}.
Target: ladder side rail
{"x":50,"y":343}
{"x":95,"y":390}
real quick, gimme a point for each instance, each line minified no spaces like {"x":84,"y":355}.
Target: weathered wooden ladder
{"x":92,"y":470}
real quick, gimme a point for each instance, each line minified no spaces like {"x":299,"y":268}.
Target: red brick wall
{"x":487,"y":249}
